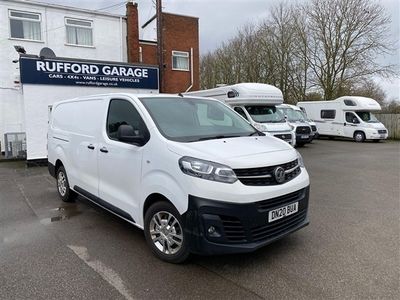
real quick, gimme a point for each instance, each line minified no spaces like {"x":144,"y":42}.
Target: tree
{"x":345,"y":37}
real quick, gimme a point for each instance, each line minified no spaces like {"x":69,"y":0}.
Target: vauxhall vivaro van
{"x":190,"y":172}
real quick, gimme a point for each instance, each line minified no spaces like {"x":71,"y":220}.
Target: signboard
{"x":78,"y":73}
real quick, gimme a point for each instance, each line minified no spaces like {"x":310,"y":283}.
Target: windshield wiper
{"x":217,"y":137}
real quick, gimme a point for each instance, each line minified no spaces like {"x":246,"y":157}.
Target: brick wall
{"x":180,"y":33}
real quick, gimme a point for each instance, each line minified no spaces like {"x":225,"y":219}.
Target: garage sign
{"x":78,"y":73}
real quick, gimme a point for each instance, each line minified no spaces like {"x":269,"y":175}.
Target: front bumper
{"x":303,"y":138}
{"x":376,"y":136}
{"x":241,"y":228}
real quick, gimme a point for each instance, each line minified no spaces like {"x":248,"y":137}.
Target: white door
{"x":350,"y":124}
{"x":120,"y":163}
{"x":85,"y":116}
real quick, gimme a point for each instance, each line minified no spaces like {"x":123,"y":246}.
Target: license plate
{"x":382,"y":136}
{"x":282,"y":212}
{"x":304,"y":136}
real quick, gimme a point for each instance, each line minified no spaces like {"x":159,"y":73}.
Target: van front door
{"x":120,"y":163}
{"x":350,"y":124}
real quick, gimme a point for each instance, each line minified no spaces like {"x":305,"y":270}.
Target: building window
{"x":25,"y":25}
{"x":328,"y":114}
{"x":79,"y":32}
{"x":180,"y":60}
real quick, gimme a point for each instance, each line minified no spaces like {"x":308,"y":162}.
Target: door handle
{"x":91,"y":147}
{"x":104,"y":150}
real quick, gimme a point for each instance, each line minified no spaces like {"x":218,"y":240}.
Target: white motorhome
{"x":256,"y":102}
{"x":302,"y":128}
{"x":347,"y":116}
{"x":190,"y":172}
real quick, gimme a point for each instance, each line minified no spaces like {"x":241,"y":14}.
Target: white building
{"x":68,"y":31}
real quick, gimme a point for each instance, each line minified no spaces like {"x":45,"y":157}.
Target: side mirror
{"x":126,"y":134}
{"x":286,"y":117}
{"x":355,"y":121}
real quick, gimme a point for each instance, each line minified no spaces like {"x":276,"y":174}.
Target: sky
{"x":219,"y":20}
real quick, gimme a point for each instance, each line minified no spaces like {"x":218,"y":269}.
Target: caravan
{"x":255,"y":102}
{"x":349,"y":117}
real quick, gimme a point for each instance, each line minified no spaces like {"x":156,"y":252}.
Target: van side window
{"x":351,"y":118}
{"x":328,"y":114}
{"x":122,"y":112}
{"x":240,"y":111}
{"x":348,"y":102}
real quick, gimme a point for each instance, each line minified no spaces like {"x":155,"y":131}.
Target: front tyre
{"x":164,"y":232}
{"x":63,"y":189}
{"x":359,"y":136}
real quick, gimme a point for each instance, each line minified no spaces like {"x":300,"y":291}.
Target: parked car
{"x":190,"y":172}
{"x":347,"y":116}
{"x":256,"y":102}
{"x":296,"y":119}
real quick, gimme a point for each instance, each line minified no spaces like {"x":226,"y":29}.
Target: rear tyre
{"x":63,"y":189}
{"x":359,"y":136}
{"x":165,"y":233}
{"x":300,"y":144}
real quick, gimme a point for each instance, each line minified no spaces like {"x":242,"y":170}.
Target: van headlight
{"x":300,"y":159}
{"x":207,"y":170}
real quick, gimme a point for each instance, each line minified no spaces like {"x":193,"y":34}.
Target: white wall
{"x":109,"y":39}
{"x":37,"y":99}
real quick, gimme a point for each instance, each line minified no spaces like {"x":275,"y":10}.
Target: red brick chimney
{"x":132,"y":24}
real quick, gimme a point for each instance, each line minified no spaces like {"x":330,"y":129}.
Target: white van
{"x":189,"y":171}
{"x":347,"y":116}
{"x":302,"y":128}
{"x":256,"y":102}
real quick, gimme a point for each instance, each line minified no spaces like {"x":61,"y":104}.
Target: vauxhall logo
{"x":279,"y":174}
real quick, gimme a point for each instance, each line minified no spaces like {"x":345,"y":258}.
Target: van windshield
{"x":191,"y":119}
{"x":292,"y":115}
{"x":265,"y":114}
{"x":367,"y":117}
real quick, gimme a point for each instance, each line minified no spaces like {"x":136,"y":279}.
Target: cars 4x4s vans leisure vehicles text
{"x":189,"y":171}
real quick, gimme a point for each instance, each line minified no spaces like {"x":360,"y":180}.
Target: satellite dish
{"x":47,"y":53}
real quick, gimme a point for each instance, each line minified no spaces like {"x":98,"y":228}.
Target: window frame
{"x":10,"y":17}
{"x":78,"y":26}
{"x":146,"y":132}
{"x":243,"y":110}
{"x":328,"y":110}
{"x":177,"y":53}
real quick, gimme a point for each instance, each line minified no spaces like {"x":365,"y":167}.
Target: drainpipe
{"x":121,"y":40}
{"x":191,"y":71}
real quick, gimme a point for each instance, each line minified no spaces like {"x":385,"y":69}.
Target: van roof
{"x":351,"y":103}
{"x":294,"y":107}
{"x":148,"y":95}
{"x":244,"y":93}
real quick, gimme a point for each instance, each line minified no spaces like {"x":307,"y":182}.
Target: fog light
{"x":211,"y":230}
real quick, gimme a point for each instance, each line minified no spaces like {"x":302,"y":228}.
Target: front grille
{"x":233,"y":229}
{"x":382,"y":131}
{"x":313,"y":128}
{"x":303,"y":130}
{"x":257,"y":228}
{"x":264,"y":175}
{"x":279,"y":201}
{"x":278,"y":227}
{"x":283,"y":136}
